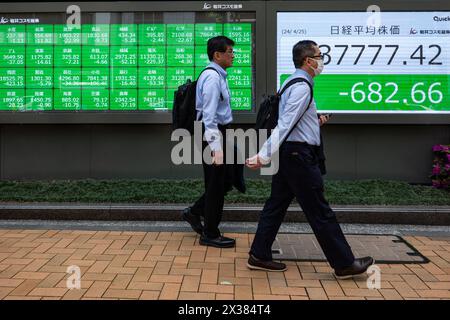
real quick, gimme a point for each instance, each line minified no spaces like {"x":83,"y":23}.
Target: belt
{"x":298,"y":143}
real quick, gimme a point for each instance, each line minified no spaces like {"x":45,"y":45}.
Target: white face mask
{"x":319,"y":68}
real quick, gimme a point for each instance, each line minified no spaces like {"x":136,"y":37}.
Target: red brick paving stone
{"x":25,"y":287}
{"x":332,"y":288}
{"x":243,"y":293}
{"x":4,"y":291}
{"x":260,"y":286}
{"x":196,"y":296}
{"x":98,"y":276}
{"x":48,"y":292}
{"x":185,"y":271}
{"x":190,"y":283}
{"x":181,"y":261}
{"x":304,"y":283}
{"x":276,"y":279}
{"x":121,"y":270}
{"x":423,"y":274}
{"x":306,"y":269}
{"x":271,"y":297}
{"x":10,"y":282}
{"x":414,"y":281}
{"x":390,"y":294}
{"x":346,"y":298}
{"x":122,"y":294}
{"x":296,"y":291}
{"x":226,"y":270}
{"x":435,"y":275}
{"x":292,"y":273}
{"x":142,"y":274}
{"x":97,"y":289}
{"x":52,"y":280}
{"x":166,"y":278}
{"x":140,"y":264}
{"x":434,"y":293}
{"x":154,"y":259}
{"x":155,"y":251}
{"x":318,"y":276}
{"x":316,"y":294}
{"x":162,"y":268}
{"x":213,"y":252}
{"x":347,"y":284}
{"x":10,"y":297}
{"x":31,"y":275}
{"x":404,"y":289}
{"x":74,"y":294}
{"x":170,"y":291}
{"x":17,"y":261}
{"x":240,"y":264}
{"x":209,"y":276}
{"x":224,"y":296}
{"x":433,"y":269}
{"x":98,"y":267}
{"x":251,"y":274}
{"x":121,"y":281}
{"x":438,"y":285}
{"x":235,"y":281}
{"x":35,"y":265}
{"x":220,"y":260}
{"x":149,"y":295}
{"x":216,"y":288}
{"x":362,"y":292}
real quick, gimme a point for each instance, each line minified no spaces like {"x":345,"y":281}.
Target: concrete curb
{"x":413,"y":215}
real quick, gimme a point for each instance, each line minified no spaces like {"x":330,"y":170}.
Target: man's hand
{"x":217,"y":158}
{"x":253,"y":162}
{"x":323,"y":119}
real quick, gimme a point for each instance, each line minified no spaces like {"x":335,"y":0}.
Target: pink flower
{"x":436,"y":184}
{"x":437,"y":147}
{"x":436,"y":169}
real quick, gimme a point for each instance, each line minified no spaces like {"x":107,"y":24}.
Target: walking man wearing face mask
{"x":299,"y":176}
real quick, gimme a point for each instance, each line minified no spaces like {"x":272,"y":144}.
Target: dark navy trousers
{"x":299,"y":176}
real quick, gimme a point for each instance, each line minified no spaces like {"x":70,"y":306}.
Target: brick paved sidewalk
{"x":166,"y":265}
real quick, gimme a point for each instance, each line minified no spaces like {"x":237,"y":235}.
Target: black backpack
{"x":184,"y":113}
{"x":267,"y":117}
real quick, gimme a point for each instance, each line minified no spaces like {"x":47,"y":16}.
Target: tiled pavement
{"x":166,"y":265}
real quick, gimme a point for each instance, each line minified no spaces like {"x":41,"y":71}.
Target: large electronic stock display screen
{"x":127,"y":61}
{"x":397,"y":63}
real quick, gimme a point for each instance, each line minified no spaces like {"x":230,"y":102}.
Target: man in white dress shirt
{"x":299,"y":174}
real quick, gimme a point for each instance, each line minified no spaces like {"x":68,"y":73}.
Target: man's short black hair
{"x":219,"y":44}
{"x":301,"y":51}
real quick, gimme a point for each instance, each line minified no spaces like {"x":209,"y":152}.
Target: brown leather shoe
{"x":257,"y":264}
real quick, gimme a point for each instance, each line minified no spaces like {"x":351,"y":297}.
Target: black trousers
{"x":210,"y":204}
{"x":299,"y":176}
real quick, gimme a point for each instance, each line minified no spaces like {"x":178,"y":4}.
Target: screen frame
{"x":274,"y":7}
{"x":138,"y":117}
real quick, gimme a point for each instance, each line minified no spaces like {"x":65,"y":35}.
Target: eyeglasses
{"x":318,"y":56}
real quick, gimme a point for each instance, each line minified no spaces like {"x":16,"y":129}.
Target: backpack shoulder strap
{"x":221,"y":96}
{"x":211,"y":68}
{"x":290,"y":83}
{"x":208,"y":68}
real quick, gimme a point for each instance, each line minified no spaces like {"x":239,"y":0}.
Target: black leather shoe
{"x":359,"y":266}
{"x":257,"y":264}
{"x":219,"y":242}
{"x":193,"y":220}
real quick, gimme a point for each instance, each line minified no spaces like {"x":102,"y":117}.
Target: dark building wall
{"x":398,"y":152}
